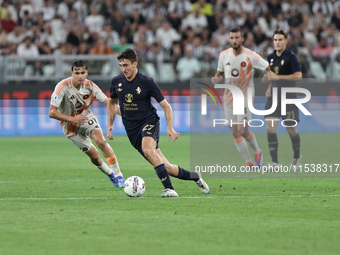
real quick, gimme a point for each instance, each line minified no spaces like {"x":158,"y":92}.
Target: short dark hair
{"x":236,"y":30}
{"x":79,"y":63}
{"x":129,"y":54}
{"x":280,"y":32}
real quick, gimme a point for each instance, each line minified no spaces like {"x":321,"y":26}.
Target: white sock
{"x":105,"y":168}
{"x":242,"y":147}
{"x":251,"y":139}
{"x":113,"y":163}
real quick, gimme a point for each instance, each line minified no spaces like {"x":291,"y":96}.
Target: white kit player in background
{"x":70,"y":103}
{"x":236,"y":65}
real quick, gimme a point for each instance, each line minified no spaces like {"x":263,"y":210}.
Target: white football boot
{"x":169,"y":193}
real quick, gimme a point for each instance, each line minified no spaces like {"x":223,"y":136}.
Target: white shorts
{"x":82,"y":139}
{"x":236,"y":119}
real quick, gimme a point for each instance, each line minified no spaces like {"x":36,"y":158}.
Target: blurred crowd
{"x":183,"y":37}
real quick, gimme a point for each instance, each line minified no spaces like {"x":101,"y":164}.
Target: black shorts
{"x":292,"y":112}
{"x":147,"y":129}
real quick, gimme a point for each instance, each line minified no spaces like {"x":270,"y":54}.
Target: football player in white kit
{"x":70,"y":103}
{"x":236,"y":65}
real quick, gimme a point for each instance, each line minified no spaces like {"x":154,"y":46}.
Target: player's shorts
{"x":292,"y":112}
{"x":231,"y":118}
{"x":82,"y":139}
{"x":147,"y":129}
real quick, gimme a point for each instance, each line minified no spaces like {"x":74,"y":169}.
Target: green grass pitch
{"x":54,"y":201}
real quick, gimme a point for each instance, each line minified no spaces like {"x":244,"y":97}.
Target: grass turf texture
{"x":53,"y":201}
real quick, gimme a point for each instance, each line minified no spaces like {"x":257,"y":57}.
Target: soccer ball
{"x":134,"y":186}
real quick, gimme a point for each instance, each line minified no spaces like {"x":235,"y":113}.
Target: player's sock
{"x":163,"y":175}
{"x":273,"y":145}
{"x":251,"y":139}
{"x":242,"y":147}
{"x":296,"y":145}
{"x":113,"y":163}
{"x":186,"y":175}
{"x":105,"y":168}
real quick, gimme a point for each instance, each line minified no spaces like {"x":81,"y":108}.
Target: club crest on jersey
{"x":86,"y":96}
{"x":128,"y":98}
{"x":243,"y":64}
{"x":282,"y":62}
{"x":138,"y":90}
{"x":235,"y":72}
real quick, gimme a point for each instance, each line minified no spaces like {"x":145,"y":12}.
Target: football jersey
{"x":71,"y":101}
{"x":239,"y":70}
{"x":135,"y":100}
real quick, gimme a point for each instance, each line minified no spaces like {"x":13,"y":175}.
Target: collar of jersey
{"x":133,"y":80}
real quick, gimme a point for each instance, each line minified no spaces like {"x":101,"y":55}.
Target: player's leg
{"x":295,"y":138}
{"x":98,"y":137}
{"x":272,"y":123}
{"x":251,"y":139}
{"x":84,"y":143}
{"x":149,"y":145}
{"x":182,"y":174}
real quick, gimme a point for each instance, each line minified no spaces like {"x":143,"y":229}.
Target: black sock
{"x":296,"y":145}
{"x":163,"y":175}
{"x":186,"y":175}
{"x":273,"y":145}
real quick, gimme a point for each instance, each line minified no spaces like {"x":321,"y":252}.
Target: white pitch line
{"x":76,"y":180}
{"x":125,"y":197}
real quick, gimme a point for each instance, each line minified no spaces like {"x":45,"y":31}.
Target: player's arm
{"x":297,"y":76}
{"x":265,"y":76}
{"x":112,"y":105}
{"x":218,"y":76}
{"x":78,"y":119}
{"x":169,"y":118}
{"x":106,"y":102}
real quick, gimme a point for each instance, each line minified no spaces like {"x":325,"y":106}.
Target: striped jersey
{"x":71,"y":101}
{"x":239,"y":70}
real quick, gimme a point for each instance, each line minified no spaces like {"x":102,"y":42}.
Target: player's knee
{"x":149,"y":153}
{"x":292,"y":132}
{"x":101,"y":143}
{"x":270,"y":129}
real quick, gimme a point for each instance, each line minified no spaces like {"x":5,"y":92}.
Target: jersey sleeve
{"x":259,"y":62}
{"x":295,"y":64}
{"x":56,"y":98}
{"x":220,"y":64}
{"x":98,"y":93}
{"x":113,"y":93}
{"x":155,"y":91}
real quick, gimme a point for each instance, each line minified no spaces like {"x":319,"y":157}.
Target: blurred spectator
{"x":336,"y":18}
{"x":83,"y":48}
{"x":232,"y":20}
{"x":100,"y":48}
{"x":123,"y":45}
{"x":331,"y":35}
{"x":251,"y":21}
{"x":196,"y":21}
{"x":27,"y":48}
{"x":107,"y":8}
{"x":81,"y":7}
{"x":7,"y":23}
{"x":196,"y":47}
{"x":155,"y":55}
{"x":143,"y":34}
{"x":26,"y":6}
{"x":221,"y":35}
{"x":154,"y":22}
{"x":188,"y":36}
{"x":73,"y":20}
{"x":305,"y":66}
{"x":249,"y":42}
{"x":63,"y":9}
{"x":204,"y":7}
{"x":259,"y":36}
{"x":213,"y":48}
{"x":301,"y":6}
{"x":279,"y":23}
{"x":26,"y":21}
{"x":274,"y":7}
{"x":111,"y":36}
{"x":142,"y":50}
{"x":326,"y":7}
{"x":208,"y":68}
{"x":188,"y":66}
{"x":159,"y":7}
{"x":16,"y":36}
{"x":49,"y":38}
{"x":260,"y":8}
{"x":118,"y":22}
{"x":178,"y":10}
{"x":6,"y":7}
{"x":75,"y":36}
{"x":166,"y":34}
{"x":322,"y":49}
{"x":48,"y":10}
{"x":234,"y":6}
{"x":94,"y":22}
{"x":176,"y":53}
{"x":205,"y":36}
{"x":296,"y":19}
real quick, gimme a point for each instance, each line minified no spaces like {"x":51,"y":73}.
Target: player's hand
{"x":108,"y":133}
{"x":80,"y":119}
{"x":268,"y":92}
{"x":215,"y":80}
{"x":272,"y":76}
{"x":172,"y":133}
{"x":265,"y":78}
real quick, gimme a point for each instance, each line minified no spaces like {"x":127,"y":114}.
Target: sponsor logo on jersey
{"x":235,"y":72}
